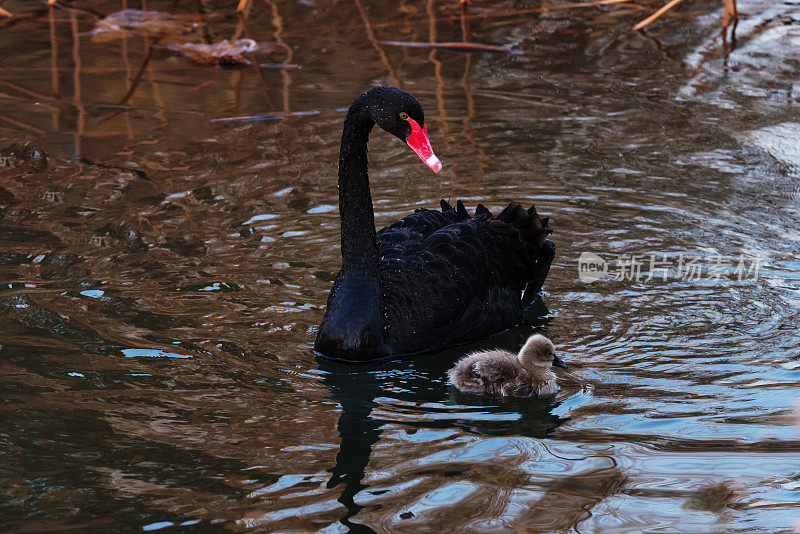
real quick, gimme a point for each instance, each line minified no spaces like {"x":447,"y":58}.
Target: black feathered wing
{"x":447,"y":278}
{"x":409,"y":232}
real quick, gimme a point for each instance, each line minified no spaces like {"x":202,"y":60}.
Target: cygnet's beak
{"x":558,"y":362}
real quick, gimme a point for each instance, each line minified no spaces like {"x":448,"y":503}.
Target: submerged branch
{"x":256,"y":118}
{"x":464,"y":47}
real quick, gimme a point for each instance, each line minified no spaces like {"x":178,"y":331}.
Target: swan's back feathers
{"x":514,"y":220}
{"x":484,"y":372}
{"x":423,"y":222}
{"x":448,"y":278}
{"x":498,"y":370}
{"x":494,"y":372}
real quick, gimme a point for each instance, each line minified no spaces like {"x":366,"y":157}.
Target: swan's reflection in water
{"x":415,"y":395}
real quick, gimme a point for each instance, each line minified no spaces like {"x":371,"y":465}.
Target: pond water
{"x":161,"y":278}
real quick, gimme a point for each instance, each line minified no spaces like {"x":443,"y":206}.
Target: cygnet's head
{"x":539,"y":351}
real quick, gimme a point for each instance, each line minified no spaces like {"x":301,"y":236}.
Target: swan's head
{"x":539,"y":351}
{"x":399,"y":113}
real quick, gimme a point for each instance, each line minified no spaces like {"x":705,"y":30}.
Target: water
{"x":162,"y":279}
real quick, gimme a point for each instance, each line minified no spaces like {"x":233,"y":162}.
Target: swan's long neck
{"x":359,"y":250}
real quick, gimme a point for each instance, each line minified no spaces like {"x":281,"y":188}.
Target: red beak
{"x":418,"y":141}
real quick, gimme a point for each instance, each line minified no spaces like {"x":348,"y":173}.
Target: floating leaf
{"x":225,"y":53}
{"x":150,"y":23}
{"x":461,"y":47}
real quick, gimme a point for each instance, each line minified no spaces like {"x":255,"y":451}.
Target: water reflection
{"x":415,"y":393}
{"x":356,"y":392}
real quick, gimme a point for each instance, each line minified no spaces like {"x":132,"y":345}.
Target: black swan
{"x":499,"y":372}
{"x":433,"y":279}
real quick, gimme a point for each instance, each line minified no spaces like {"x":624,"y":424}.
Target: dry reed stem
{"x":731,"y":13}
{"x":286,"y":80}
{"x":128,"y":71}
{"x":134,"y":83}
{"x":76,"y":84}
{"x":256,"y":66}
{"x":731,"y":9}
{"x":669,"y":5}
{"x":242,"y":12}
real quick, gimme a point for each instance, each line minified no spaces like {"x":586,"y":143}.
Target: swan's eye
{"x":404,"y":115}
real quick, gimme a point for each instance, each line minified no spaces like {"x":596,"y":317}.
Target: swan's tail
{"x":529,"y":232}
{"x":532,"y":229}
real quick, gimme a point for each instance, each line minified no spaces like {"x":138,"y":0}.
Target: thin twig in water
{"x":546,"y":9}
{"x":76,"y":83}
{"x":257,"y":66}
{"x":280,"y":66}
{"x":468,"y":131}
{"x":510,"y":13}
{"x":731,"y":14}
{"x":154,"y":86}
{"x":376,"y":44}
{"x":256,"y":118}
{"x":138,"y":77}
{"x":239,"y":26}
{"x":437,"y":70}
{"x":78,"y":9}
{"x":26,"y":91}
{"x":128,"y":70}
{"x":54,"y":66}
{"x":659,"y":47}
{"x":277,"y":23}
{"x":462,"y":47}
{"x":23,"y":125}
